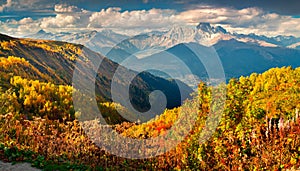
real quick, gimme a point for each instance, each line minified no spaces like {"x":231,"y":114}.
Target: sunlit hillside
{"x":259,"y":127}
{"x":55,"y":62}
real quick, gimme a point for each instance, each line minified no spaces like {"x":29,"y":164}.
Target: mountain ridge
{"x":204,"y":33}
{"x":58,"y":60}
{"x":228,"y":45}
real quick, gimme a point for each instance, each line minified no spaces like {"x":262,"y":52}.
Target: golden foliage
{"x":259,"y":128}
{"x":69,"y":50}
{"x":36,"y":98}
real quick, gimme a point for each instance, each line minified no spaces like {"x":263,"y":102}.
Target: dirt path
{"x":16,"y":167}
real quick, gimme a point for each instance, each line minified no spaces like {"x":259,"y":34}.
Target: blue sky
{"x":21,"y":17}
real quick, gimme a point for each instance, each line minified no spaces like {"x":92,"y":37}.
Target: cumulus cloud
{"x":25,"y":21}
{"x":222,"y":15}
{"x":27,"y":28}
{"x":63,"y":8}
{"x":247,"y":20}
{"x":289,"y":25}
{"x":20,"y":28}
{"x":112,"y":18}
{"x":151,"y":19}
{"x":60,"y":21}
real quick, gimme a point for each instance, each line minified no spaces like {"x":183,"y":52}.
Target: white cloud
{"x":289,"y":25}
{"x":138,"y":19}
{"x":20,"y":28}
{"x":60,"y":21}
{"x":27,"y":28}
{"x":25,"y":21}
{"x":221,"y":15}
{"x":63,"y":8}
{"x":248,"y":20}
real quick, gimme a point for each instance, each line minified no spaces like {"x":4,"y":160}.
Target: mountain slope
{"x":13,"y":66}
{"x":101,"y":41}
{"x":58,"y":59}
{"x":238,"y":59}
{"x":260,"y":111}
{"x":243,"y":59}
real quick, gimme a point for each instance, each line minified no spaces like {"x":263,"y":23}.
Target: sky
{"x":262,"y":17}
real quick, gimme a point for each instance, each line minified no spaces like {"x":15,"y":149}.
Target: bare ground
{"x":16,"y":167}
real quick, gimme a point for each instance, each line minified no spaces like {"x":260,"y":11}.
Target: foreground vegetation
{"x":259,"y":128}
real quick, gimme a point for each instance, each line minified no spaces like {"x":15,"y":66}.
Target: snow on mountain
{"x":42,"y":35}
{"x":203,"y":34}
{"x":207,"y":35}
{"x":295,"y":46}
{"x":280,"y":40}
{"x":117,"y":46}
{"x":101,"y":41}
{"x":151,"y":43}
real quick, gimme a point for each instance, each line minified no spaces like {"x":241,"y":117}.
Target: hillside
{"x":56,"y":60}
{"x":259,"y":128}
{"x":13,"y":66}
{"x":237,"y":58}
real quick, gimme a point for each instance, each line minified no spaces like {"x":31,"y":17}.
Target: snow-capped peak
{"x":206,"y":27}
{"x":181,"y":33}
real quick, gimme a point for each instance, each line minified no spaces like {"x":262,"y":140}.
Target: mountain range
{"x":203,"y":33}
{"x":55,"y":61}
{"x":240,"y":54}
